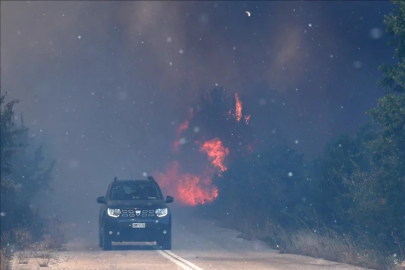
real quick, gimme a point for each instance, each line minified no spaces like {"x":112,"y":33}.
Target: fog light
{"x":164,"y":232}
{"x":118,"y":233}
{"x":110,"y":232}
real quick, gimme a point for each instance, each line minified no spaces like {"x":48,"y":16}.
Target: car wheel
{"x":106,"y":242}
{"x":166,"y":241}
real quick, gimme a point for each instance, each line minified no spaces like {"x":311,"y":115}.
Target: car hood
{"x":137,"y":204}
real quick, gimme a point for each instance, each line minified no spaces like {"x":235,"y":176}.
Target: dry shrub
{"x":41,"y":249}
{"x":44,"y":258}
{"x":5,"y":238}
{"x":54,"y":237}
{"x":277,"y":238}
{"x":23,"y":238}
{"x":45,"y":249}
{"x":315,"y":245}
{"x":5,"y":260}
{"x":23,"y":257}
{"x":396,"y":264}
{"x":330,"y":246}
{"x":54,"y":242}
{"x":326,"y":245}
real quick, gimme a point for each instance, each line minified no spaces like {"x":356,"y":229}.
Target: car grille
{"x":132,"y":213}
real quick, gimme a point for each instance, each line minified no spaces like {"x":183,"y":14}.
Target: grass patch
{"x":332,"y":247}
{"x":22,"y":246}
{"x":44,"y":258}
{"x":23,"y":238}
{"x":397,"y":264}
{"x":325,"y":244}
{"x":23,"y":257}
{"x":4,"y":260}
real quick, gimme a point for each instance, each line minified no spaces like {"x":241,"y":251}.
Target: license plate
{"x":138,"y":225}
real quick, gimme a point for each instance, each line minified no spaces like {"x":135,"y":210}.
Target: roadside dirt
{"x":198,"y":241}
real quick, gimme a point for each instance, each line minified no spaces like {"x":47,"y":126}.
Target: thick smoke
{"x":106,"y":84}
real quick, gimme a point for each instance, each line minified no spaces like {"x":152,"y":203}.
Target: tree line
{"x":355,"y":187}
{"x":24,"y":173}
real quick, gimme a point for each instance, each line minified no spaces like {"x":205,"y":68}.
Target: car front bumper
{"x":121,"y":230}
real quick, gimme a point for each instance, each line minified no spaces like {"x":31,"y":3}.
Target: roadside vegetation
{"x":347,"y":205}
{"x":24,"y":173}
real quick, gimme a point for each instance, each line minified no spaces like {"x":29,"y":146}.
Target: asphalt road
{"x":197,"y":244}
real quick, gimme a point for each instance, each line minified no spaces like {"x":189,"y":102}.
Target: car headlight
{"x":161,"y":212}
{"x":113,"y":212}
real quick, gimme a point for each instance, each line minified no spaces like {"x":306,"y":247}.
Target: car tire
{"x":106,"y":243}
{"x":166,"y":241}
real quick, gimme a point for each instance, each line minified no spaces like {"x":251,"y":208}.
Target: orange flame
{"x":216,"y":152}
{"x":238,"y":110}
{"x":247,"y":119}
{"x":189,"y":189}
{"x":182,"y":127}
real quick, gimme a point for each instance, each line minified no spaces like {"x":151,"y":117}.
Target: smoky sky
{"x":105,"y":84}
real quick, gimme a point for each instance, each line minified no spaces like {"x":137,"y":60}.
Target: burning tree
{"x":217,"y":116}
{"x":215,"y":132}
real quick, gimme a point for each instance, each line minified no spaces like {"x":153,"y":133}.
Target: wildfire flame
{"x":189,"y":189}
{"x":182,"y":127}
{"x":216,"y":152}
{"x":238,"y":109}
{"x":193,"y":189}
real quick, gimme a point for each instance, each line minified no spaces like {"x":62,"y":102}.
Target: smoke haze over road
{"x":106,"y":84}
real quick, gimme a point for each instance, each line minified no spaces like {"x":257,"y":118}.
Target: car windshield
{"x":134,"y":191}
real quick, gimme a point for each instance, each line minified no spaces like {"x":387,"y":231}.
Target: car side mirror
{"x":169,"y":199}
{"x":101,"y":200}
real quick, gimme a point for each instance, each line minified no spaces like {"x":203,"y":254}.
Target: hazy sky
{"x":105,"y":84}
